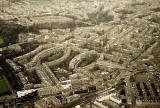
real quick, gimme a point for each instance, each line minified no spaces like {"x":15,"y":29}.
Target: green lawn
{"x":3,"y":87}
{"x":1,"y":41}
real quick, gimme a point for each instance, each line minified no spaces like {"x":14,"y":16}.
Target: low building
{"x":98,"y":104}
{"x":115,"y":99}
{"x":53,"y":100}
{"x":13,"y":65}
{"x":66,"y":89}
{"x":49,"y":91}
{"x":66,"y":82}
{"x":111,"y":104}
{"x":25,"y":92}
{"x":108,"y":97}
{"x":14,"y":47}
{"x":148,"y":102}
{"x":47,"y":102}
{"x":72,"y":98}
{"x":40,"y":104}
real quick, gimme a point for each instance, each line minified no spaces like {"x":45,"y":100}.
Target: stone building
{"x":47,"y":102}
{"x":49,"y":91}
{"x":13,"y":65}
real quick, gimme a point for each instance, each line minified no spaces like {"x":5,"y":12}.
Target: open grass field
{"x":3,"y":87}
{"x":1,"y":41}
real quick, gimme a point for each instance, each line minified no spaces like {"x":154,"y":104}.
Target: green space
{"x":1,"y":41}
{"x":3,"y":87}
{"x":158,"y":46}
